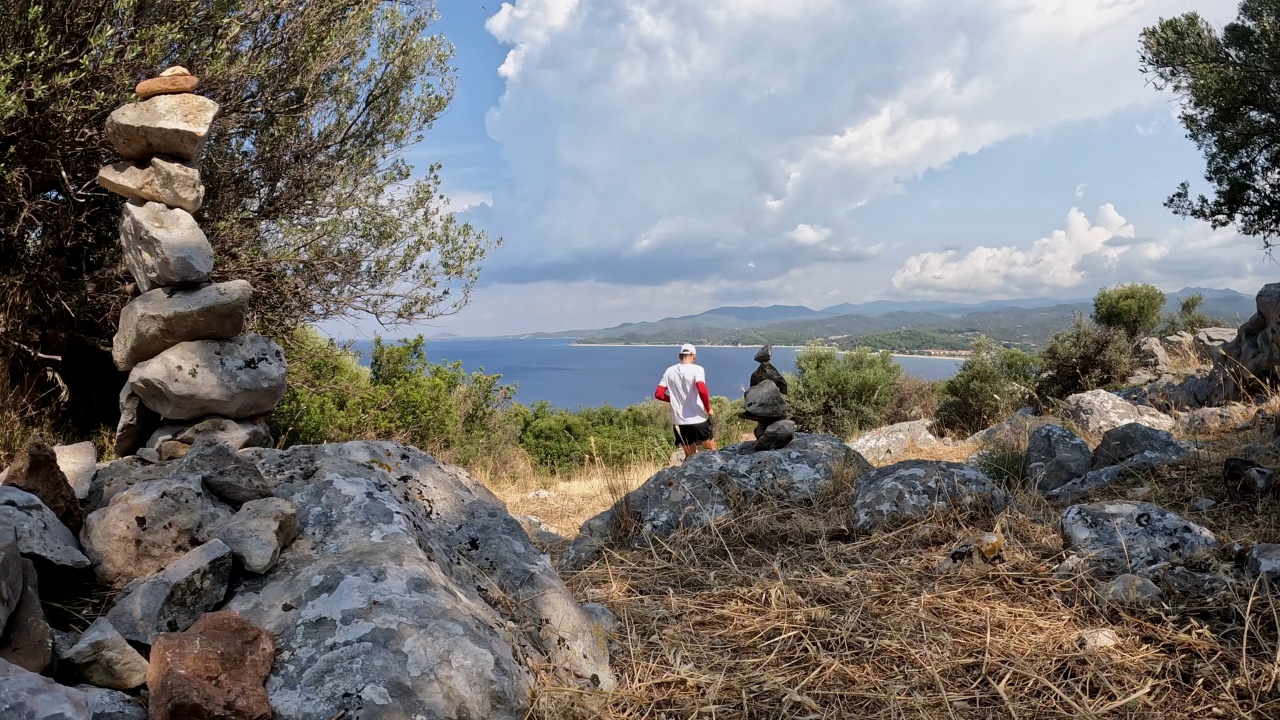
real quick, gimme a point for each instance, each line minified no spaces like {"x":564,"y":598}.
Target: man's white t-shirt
{"x":681,"y":381}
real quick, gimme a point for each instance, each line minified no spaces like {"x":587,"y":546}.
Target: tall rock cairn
{"x":766,"y":405}
{"x":180,"y":338}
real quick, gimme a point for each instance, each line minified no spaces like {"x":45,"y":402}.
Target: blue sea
{"x":571,"y":376}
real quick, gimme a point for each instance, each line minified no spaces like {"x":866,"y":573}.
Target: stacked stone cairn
{"x":766,"y":405}
{"x":180,"y":338}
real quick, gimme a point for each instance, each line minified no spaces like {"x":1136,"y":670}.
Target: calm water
{"x":571,"y":376}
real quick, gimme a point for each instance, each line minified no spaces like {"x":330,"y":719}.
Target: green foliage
{"x":841,"y":393}
{"x":307,"y":193}
{"x":1134,"y":308}
{"x":562,"y":441}
{"x":1084,"y":357}
{"x":1188,"y":318}
{"x":913,"y":399}
{"x":1001,"y":460}
{"x":991,"y":384}
{"x":909,"y":340}
{"x":1229,"y":101}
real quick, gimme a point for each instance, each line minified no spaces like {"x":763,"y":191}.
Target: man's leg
{"x":709,"y":444}
{"x":689,"y":451}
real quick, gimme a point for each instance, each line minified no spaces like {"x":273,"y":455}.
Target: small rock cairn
{"x":180,"y":338}
{"x":766,"y":406}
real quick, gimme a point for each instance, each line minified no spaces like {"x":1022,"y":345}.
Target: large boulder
{"x":1133,"y":439}
{"x":213,"y":671}
{"x":912,"y":489}
{"x":1151,"y":355}
{"x":1055,"y":456}
{"x":40,"y":534}
{"x":28,"y":641}
{"x":1250,"y":362}
{"x":1138,"y":538}
{"x":78,"y":463}
{"x":163,"y":246}
{"x":161,"y":318}
{"x":410,"y":592}
{"x":236,"y":378}
{"x":36,"y":471}
{"x":883,"y":443}
{"x":103,"y":657}
{"x":1208,"y":343}
{"x":148,"y":526}
{"x":710,"y":485}
{"x":175,"y":125}
{"x":24,"y":695}
{"x":169,"y":183}
{"x":1098,"y":411}
{"x":172,"y":600}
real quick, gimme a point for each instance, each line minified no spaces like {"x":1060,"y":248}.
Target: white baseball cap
{"x":687,"y":349}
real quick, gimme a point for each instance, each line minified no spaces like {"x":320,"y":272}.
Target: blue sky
{"x":647,"y":158}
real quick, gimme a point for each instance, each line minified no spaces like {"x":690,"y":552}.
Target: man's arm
{"x":704,"y":394}
{"x":661,"y":393}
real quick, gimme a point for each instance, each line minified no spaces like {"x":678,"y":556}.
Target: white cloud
{"x":1085,"y":255}
{"x":1080,"y":190}
{"x":463,"y":200}
{"x":809,"y":234}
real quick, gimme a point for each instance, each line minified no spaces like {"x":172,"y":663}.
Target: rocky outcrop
{"x":1055,"y":456}
{"x":36,"y":471}
{"x":213,"y":671}
{"x":1208,"y":343}
{"x":910,"y":490}
{"x":102,"y":657}
{"x":1121,"y":537}
{"x":172,"y":600}
{"x":1131,"y":440}
{"x":159,"y":319}
{"x":234,"y":378}
{"x":883,"y":443}
{"x":711,"y":485}
{"x":1250,"y":362}
{"x":1098,"y":411}
{"x":148,"y":526}
{"x":39,"y":532}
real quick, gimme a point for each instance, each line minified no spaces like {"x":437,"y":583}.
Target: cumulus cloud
{"x":1080,"y":190}
{"x":1087,"y":254}
{"x":718,"y":130}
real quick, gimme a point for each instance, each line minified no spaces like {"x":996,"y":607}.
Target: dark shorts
{"x":694,"y":434}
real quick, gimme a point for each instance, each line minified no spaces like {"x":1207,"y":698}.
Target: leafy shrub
{"x":991,"y":384}
{"x":1084,"y":357}
{"x":839,"y":393}
{"x":1133,"y":308}
{"x":1188,"y":318}
{"x":913,"y":399}
{"x":562,"y":441}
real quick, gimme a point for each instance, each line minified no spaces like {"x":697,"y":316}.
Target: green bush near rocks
{"x":990,"y":385}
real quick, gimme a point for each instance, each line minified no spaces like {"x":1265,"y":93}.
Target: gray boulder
{"x":112,"y":704}
{"x":1133,"y":439}
{"x":149,"y":526}
{"x":235,"y":434}
{"x":234,"y":478}
{"x":40,"y":534}
{"x":1249,"y":362}
{"x":28,"y":641}
{"x":163,"y":246}
{"x":115,"y":477}
{"x":1174,"y":393}
{"x":1098,"y":411}
{"x":170,"y":601}
{"x":78,"y":462}
{"x":883,"y":443}
{"x":175,"y":125}
{"x":1055,"y":456}
{"x":1263,"y":560}
{"x":11,"y":574}
{"x":410,"y":590}
{"x":765,"y":402}
{"x":259,"y":531}
{"x":776,"y":435}
{"x":236,"y":378}
{"x":102,"y":657}
{"x":1135,"y":466}
{"x":1138,"y":538}
{"x":1151,"y":355}
{"x":912,"y":489}
{"x":135,"y":424}
{"x":1208,"y":343}
{"x":1210,"y":420}
{"x":25,"y":695}
{"x":711,"y":485}
{"x":161,"y":318}
{"x":169,"y":183}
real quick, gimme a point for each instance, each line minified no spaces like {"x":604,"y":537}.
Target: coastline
{"x":932,"y":356}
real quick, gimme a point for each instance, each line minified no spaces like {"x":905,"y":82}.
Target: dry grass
{"x":565,"y":502}
{"x":784,"y":613}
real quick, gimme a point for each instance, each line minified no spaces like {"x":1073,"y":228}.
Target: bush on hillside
{"x":841,"y":393}
{"x":1188,"y":319}
{"x":913,"y":399}
{"x":562,"y":441}
{"x":991,"y":384}
{"x":1134,"y":308}
{"x":1084,"y":357}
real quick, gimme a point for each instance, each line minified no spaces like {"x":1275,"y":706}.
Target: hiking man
{"x":684,"y":385}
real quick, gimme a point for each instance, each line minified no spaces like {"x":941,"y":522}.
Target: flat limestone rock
{"x":163,"y":246}
{"x":102,"y":657}
{"x":161,"y":318}
{"x":171,"y":183}
{"x":236,"y":378}
{"x":176,"y":125}
{"x":1123,"y":537}
{"x":78,"y":462}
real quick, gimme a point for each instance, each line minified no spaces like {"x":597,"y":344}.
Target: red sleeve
{"x":706,"y":396}
{"x":661,"y":394}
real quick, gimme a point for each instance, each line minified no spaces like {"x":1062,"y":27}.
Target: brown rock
{"x":170,"y":85}
{"x":36,"y":471}
{"x":213,"y":671}
{"x":28,"y":643}
{"x":172,"y":450}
